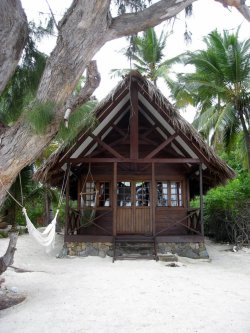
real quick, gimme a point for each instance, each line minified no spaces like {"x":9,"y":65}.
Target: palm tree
{"x":146,"y":55}
{"x":220,"y":88}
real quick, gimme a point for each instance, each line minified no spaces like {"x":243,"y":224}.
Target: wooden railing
{"x":191,"y":222}
{"x":75,"y":223}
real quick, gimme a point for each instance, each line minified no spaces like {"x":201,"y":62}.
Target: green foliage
{"x":131,"y":6}
{"x":223,"y":209}
{"x":219,"y":87}
{"x":25,"y":81}
{"x":39,"y":115}
{"x":145,"y":53}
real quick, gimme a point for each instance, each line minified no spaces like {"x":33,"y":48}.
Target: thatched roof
{"x":217,"y":170}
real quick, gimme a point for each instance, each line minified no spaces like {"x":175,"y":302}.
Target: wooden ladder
{"x":124,"y":245}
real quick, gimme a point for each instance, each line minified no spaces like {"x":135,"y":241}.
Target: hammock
{"x":45,"y":238}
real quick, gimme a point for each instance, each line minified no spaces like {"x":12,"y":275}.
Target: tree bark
{"x":85,"y":28}
{"x":13,"y":36}
{"x":8,"y":258}
{"x":246,"y":137}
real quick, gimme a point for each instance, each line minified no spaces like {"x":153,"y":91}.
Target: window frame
{"x":169,"y":194}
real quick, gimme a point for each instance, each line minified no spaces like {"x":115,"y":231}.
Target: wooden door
{"x":133,"y":208}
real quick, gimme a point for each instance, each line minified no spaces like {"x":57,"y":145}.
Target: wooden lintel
{"x":162,"y":145}
{"x":128,"y":160}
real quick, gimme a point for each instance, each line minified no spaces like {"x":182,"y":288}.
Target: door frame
{"x":128,"y":213}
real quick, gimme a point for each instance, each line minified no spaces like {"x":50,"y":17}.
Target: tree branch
{"x":239,"y":5}
{"x":92,"y":82}
{"x":13,"y":36}
{"x":128,"y":24}
{"x":7,"y":259}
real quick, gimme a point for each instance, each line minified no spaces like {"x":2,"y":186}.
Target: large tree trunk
{"x":85,"y":28}
{"x":13,"y":36}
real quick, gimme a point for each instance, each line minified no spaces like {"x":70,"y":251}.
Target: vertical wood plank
{"x":114,"y":197}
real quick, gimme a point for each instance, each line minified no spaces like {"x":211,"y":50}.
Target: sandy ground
{"x":77,"y":295}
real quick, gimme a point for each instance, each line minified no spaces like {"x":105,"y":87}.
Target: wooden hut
{"x":132,"y":176}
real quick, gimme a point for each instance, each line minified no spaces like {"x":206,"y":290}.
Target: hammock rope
{"x":87,"y":213}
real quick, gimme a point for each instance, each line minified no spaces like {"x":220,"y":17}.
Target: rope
{"x":8,"y":192}
{"x":65,"y":180}
{"x":64,"y":184}
{"x":21,"y":187}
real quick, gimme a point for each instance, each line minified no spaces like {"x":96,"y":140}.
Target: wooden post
{"x":153,"y":194}
{"x":134,"y":139}
{"x":201,"y":200}
{"x":114,"y":201}
{"x":67,"y":200}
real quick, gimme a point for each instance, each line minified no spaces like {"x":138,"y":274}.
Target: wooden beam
{"x":134,"y":146}
{"x":105,"y":146}
{"x":128,"y":160}
{"x":162,"y":145}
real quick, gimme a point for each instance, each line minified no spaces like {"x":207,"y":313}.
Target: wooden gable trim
{"x":88,"y":134}
{"x":158,"y":126}
{"x":101,"y":114}
{"x":164,"y":114}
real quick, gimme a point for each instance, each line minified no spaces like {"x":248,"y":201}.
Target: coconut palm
{"x":146,"y":55}
{"x":220,"y":88}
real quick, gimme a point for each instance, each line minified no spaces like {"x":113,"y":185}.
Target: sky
{"x":207,"y":16}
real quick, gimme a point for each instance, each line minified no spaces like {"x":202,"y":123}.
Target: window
{"x":104,"y":194}
{"x":96,"y":194}
{"x":169,"y":194}
{"x":142,"y":194}
{"x":123,"y":194}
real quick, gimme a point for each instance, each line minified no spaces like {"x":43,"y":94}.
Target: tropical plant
{"x":220,"y":89}
{"x":227,"y":211}
{"x":146,"y":55}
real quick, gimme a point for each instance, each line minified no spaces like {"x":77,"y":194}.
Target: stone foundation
{"x":189,"y":250}
{"x":89,"y":249}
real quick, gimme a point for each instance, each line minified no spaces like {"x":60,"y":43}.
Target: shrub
{"x":227,"y":211}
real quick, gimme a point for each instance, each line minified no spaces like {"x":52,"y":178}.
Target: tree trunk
{"x":13,"y":36}
{"x":8,"y":257}
{"x":84,"y":29}
{"x":246,"y":137}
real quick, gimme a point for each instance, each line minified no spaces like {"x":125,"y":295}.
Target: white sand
{"x":94,"y":295}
